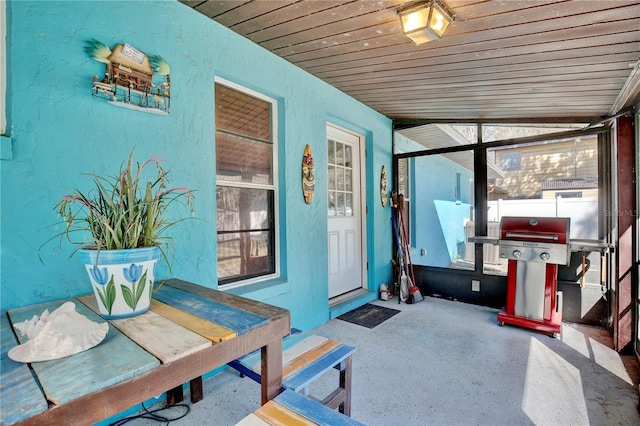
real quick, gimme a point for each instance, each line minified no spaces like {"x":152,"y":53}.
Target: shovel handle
{"x":584,"y":268}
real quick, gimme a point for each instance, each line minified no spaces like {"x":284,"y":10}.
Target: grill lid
{"x":538,"y":229}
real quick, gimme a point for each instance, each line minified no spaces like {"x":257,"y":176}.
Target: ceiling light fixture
{"x":426,"y":21}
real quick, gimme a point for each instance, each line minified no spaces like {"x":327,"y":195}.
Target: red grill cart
{"x":534,"y":246}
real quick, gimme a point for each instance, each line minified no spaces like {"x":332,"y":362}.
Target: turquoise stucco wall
{"x":58,"y":131}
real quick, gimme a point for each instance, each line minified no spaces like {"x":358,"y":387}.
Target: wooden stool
{"x":306,"y":357}
{"x":291,"y":408}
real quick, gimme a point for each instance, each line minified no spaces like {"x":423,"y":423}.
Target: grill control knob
{"x":517,"y":253}
{"x":545,"y":256}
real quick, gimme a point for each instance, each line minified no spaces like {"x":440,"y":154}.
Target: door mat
{"x":368,"y":315}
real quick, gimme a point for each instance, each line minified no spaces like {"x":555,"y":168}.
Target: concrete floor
{"x":441,"y":362}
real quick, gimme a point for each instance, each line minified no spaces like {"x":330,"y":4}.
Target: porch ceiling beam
{"x":630,"y":93}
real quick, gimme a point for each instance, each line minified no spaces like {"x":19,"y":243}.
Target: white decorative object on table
{"x":58,"y":334}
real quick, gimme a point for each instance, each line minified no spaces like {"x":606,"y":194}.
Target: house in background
{"x":534,"y":170}
{"x":570,"y":187}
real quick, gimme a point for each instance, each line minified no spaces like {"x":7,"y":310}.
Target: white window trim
{"x":274,"y":185}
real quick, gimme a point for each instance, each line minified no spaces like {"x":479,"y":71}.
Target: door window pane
{"x":332,"y":203}
{"x":340,"y":179}
{"x":340,"y":190}
{"x":331,"y":177}
{"x":348,"y":204}
{"x":331,"y":152}
{"x":339,"y":154}
{"x":340,"y":203}
{"x":347,"y":156}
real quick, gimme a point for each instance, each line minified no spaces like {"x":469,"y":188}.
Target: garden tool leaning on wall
{"x":414,"y":292}
{"x":403,"y":291}
{"x":408,"y":292}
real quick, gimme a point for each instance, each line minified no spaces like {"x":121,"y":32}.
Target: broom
{"x":415,"y":295}
{"x":403,"y":293}
{"x":396,"y":287}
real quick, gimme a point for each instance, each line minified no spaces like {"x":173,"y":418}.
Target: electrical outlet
{"x":423,"y":252}
{"x":475,"y":285}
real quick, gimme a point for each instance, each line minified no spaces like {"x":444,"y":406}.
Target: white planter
{"x":122,"y":280}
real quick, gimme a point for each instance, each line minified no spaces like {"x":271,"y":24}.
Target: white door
{"x":345,"y":218}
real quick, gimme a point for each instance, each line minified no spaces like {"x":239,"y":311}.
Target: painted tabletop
{"x":114,"y":360}
{"x":17,"y":386}
{"x":238,"y":320}
{"x":164,"y":339}
{"x":178,"y":324}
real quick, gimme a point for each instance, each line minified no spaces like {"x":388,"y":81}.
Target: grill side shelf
{"x":483,"y":240}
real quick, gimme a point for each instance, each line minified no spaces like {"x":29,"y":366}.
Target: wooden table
{"x":190,"y":330}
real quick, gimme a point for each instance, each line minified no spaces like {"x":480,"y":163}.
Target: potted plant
{"x":124,"y":216}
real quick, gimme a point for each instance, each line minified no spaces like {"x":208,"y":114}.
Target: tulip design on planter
{"x":108,"y":294}
{"x":133,"y":295}
{"x":122,"y":280}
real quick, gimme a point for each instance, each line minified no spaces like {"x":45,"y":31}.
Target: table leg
{"x":175,"y":395}
{"x":195,"y":385}
{"x":271,"y":370}
{"x":345,"y":383}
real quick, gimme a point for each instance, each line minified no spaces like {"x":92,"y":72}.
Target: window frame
{"x":481,"y":150}
{"x":511,"y":161}
{"x":273,"y":186}
{"x":406,"y":193}
{"x":568,"y":194}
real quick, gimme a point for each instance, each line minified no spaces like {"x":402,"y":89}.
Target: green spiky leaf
{"x":98,"y":51}
{"x":159,"y":65}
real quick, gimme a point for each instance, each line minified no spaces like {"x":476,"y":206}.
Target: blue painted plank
{"x":313,"y":410}
{"x":20,"y":395}
{"x":245,"y":363}
{"x":237,"y":320}
{"x":240,"y":368}
{"x":249,"y":360}
{"x":305,"y":376}
{"x":114,"y":360}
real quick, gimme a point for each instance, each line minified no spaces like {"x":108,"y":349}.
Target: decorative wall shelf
{"x":132,"y":79}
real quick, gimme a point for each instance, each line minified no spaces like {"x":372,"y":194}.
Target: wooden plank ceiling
{"x":500,"y":60}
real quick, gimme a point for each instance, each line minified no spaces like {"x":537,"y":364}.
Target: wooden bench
{"x":306,"y":357}
{"x":291,"y":408}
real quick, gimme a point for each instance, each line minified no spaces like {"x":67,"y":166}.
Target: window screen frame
{"x":273,"y":186}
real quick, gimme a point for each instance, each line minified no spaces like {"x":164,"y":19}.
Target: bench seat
{"x":306,"y":357}
{"x":291,"y":408}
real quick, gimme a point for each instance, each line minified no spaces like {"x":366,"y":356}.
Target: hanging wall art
{"x":308,"y":175}
{"x":132,"y":79}
{"x":384,"y":193}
